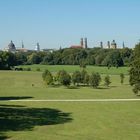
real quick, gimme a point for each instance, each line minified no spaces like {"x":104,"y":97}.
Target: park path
{"x":78,"y":100}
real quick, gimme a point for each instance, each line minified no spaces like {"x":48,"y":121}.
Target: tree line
{"x":78,"y":78}
{"x":69,"y":56}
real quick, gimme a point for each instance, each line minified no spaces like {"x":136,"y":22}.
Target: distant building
{"x":101,"y":44}
{"x":22,"y":45}
{"x":123,"y":45}
{"x":22,"y":49}
{"x":113,"y":45}
{"x":76,"y":47}
{"x":83,"y":44}
{"x":10,"y":48}
{"x":48,"y":50}
{"x":37,"y":47}
{"x":108,"y":44}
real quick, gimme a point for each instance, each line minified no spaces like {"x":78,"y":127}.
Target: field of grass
{"x":65,"y":120}
{"x":72,"y":68}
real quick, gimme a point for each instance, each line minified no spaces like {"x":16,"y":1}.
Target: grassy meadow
{"x":72,"y":68}
{"x":66,"y":120}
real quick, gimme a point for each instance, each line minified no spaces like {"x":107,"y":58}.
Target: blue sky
{"x":55,"y":23}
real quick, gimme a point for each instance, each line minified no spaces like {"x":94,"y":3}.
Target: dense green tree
{"x":90,"y":60}
{"x":47,"y":77}
{"x":116,"y":59}
{"x":135,"y":71}
{"x":64,"y":78}
{"x":107,"y":81}
{"x":82,"y":64}
{"x":95,"y":80}
{"x":86,"y":79}
{"x":59,"y":74}
{"x":7,"y":60}
{"x":76,"y":77}
{"x":126,"y":54}
{"x":21,"y":58}
{"x":122,"y":78}
{"x":83,"y":74}
{"x":107,"y":61}
{"x":34,"y":58}
{"x":99,"y":59}
{"x":48,"y":59}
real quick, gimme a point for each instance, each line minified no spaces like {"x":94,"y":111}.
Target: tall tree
{"x":76,"y":77}
{"x":95,"y":80}
{"x":135,"y":71}
{"x":64,"y":78}
{"x":107,"y":81}
{"x":122,"y":78}
{"x":47,"y":77}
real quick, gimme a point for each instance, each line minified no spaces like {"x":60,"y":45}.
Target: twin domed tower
{"x":83,"y":44}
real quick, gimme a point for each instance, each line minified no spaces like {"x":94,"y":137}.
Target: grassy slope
{"x":72,"y":68}
{"x":20,"y":84}
{"x":99,"y":121}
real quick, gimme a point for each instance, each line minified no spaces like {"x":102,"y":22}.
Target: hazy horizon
{"x":55,"y":23}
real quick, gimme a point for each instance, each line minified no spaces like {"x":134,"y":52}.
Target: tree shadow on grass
{"x":3,"y":137}
{"x":73,"y":87}
{"x":14,"y":98}
{"x":3,"y":105}
{"x":24,"y":119}
{"x":103,"y":88}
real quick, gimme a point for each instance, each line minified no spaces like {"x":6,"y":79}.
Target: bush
{"x":28,"y":69}
{"x":95,"y":80}
{"x":86,"y":79}
{"x":122,"y":78}
{"x":47,"y":77}
{"x":107,"y":81}
{"x":76,"y":77}
{"x":64,"y":78}
{"x":38,"y":69}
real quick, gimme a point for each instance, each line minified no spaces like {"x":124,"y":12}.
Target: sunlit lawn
{"x":72,"y":68}
{"x":65,"y":120}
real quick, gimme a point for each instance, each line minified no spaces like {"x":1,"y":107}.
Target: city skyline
{"x":62,"y":23}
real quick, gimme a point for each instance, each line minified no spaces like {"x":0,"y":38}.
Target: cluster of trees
{"x":69,"y":56}
{"x":95,"y":56}
{"x":8,"y":60}
{"x":77,"y":78}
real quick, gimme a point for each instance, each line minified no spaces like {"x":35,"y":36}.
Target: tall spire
{"x":37,"y":48}
{"x":82,"y":43}
{"x":123,"y":45}
{"x":86,"y":43}
{"x":108,"y":44}
{"x":22,"y":45}
{"x":101,"y":44}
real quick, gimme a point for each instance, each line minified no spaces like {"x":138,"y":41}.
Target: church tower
{"x":85,"y":45}
{"x":114,"y":45}
{"x":22,"y":45}
{"x":108,"y":44}
{"x":101,"y":45}
{"x":82,"y":43}
{"x":123,"y":45}
{"x":37,"y":48}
